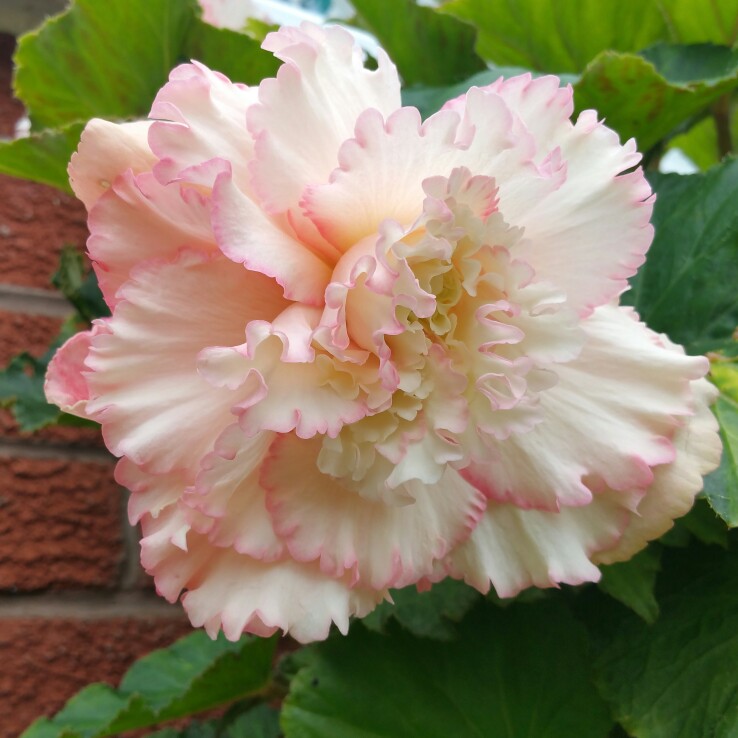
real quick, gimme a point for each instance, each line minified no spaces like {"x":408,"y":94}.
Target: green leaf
{"x":686,"y":288}
{"x":261,"y":721}
{"x":522,"y":671}
{"x":632,"y":582}
{"x":110,"y":58}
{"x":107,"y":59}
{"x":427,"y":47}
{"x":192,"y":675}
{"x":209,"y":729}
{"x":721,"y":487}
{"x":648,"y":96}
{"x":559,"y":35}
{"x":702,"y":522}
{"x":42,"y":157}
{"x":74,"y":279}
{"x":677,"y":677}
{"x":694,"y":22}
{"x":22,"y":390}
{"x":238,"y":56}
{"x":429,"y":614}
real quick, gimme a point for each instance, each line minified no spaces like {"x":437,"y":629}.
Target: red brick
{"x":46,"y":661}
{"x":21,"y":332}
{"x":35,"y":222}
{"x":83,"y":437}
{"x":60,"y":526}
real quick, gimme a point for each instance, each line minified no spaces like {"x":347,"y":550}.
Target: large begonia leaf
{"x":236,"y":55}
{"x":427,"y":47}
{"x":632,"y":582}
{"x":110,"y":58}
{"x":43,"y":156}
{"x":192,"y":675}
{"x":429,"y":614}
{"x":647,"y":96}
{"x":687,"y":287}
{"x":22,"y":390}
{"x":518,"y":672}
{"x":693,"y":21}
{"x":559,"y":35}
{"x":76,"y":281}
{"x":677,"y":677}
{"x":721,"y":487}
{"x":261,"y":721}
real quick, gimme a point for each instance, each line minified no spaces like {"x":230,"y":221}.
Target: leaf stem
{"x":721,"y":116}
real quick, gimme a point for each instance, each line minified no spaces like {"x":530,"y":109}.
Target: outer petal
{"x":382,"y":545}
{"x":608,"y":420}
{"x":381,"y":172}
{"x":202,"y":116}
{"x":153,"y":405}
{"x":105,"y":151}
{"x":249,"y":236}
{"x":596,"y":221}
{"x":66,"y":384}
{"x":239,"y":594}
{"x":514,"y":549}
{"x":150,"y":493}
{"x":675,"y":485}
{"x":316,"y":97}
{"x":139,"y":220}
{"x":541,"y":104}
{"x":228,"y":492}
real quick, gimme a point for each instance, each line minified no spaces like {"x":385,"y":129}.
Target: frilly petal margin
{"x":66,"y":385}
{"x":107,"y":150}
{"x":318,"y":93}
{"x":697,"y":444}
{"x":154,"y":406}
{"x":513,"y":548}
{"x":378,"y":544}
{"x":236,"y":593}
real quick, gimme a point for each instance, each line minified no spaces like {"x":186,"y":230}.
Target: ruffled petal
{"x":201,"y":115}
{"x":105,"y":151}
{"x":236,"y":593}
{"x":594,"y":221}
{"x":66,"y":383}
{"x":697,"y":444}
{"x":316,"y":97}
{"x":609,"y":419}
{"x":380,"y":545}
{"x":512,"y":548}
{"x":154,"y":406}
{"x":150,"y":493}
{"x":281,"y":384}
{"x":138,"y":220}
{"x":247,"y":235}
{"x":231,"y":499}
{"x":380,"y":174}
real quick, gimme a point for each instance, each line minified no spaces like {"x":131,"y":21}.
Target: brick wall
{"x":74,"y":606}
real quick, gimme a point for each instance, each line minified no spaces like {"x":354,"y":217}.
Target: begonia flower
{"x":351,"y":350}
